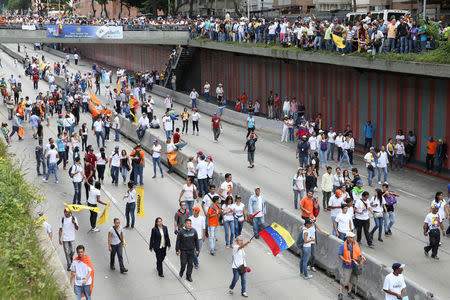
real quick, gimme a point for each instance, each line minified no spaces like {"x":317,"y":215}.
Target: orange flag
{"x":171,"y":156}
{"x":94,"y":110}
{"x":118,"y":87}
{"x":94,"y":98}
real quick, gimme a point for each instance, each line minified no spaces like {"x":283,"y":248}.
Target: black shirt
{"x":187,"y":240}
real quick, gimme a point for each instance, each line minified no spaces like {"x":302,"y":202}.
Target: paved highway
{"x":270,"y":277}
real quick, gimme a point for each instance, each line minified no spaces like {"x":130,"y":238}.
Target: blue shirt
{"x":303,"y":148}
{"x":423,"y":37}
{"x":368,"y":129}
{"x":341,"y":252}
{"x":34,"y":120}
{"x":60,"y":144}
{"x":251,"y":122}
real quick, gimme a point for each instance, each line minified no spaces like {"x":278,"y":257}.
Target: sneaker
{"x":340,"y":296}
{"x":68,"y":268}
{"x":212,"y":253}
{"x":313,"y":269}
{"x":309,"y":268}
{"x":154,"y":176}
{"x":308,"y":277}
{"x":196,"y":266}
{"x":197,"y":133}
{"x":230,"y":292}
{"x":193,"y":133}
{"x":244,"y":295}
{"x":180,"y":274}
{"x":435,"y":257}
{"x":44,"y":180}
{"x":95,"y":229}
{"x":380,"y":239}
{"x":426,"y":253}
{"x":56,"y":181}
{"x":189,"y":279}
{"x":371,"y":246}
{"x":124,"y":270}
{"x":112,"y":267}
{"x":379,"y":182}
{"x":386,"y":182}
{"x":350,"y":295}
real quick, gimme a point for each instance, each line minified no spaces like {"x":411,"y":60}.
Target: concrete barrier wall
{"x":370,"y":283}
{"x":229,"y":116}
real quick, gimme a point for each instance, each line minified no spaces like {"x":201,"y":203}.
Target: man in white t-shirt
{"x":193,"y":95}
{"x":98,"y":129}
{"x":206,"y":89}
{"x":116,"y":126}
{"x":394,"y":285}
{"x":114,"y":164}
{"x":143,"y":124}
{"x":199,"y":224}
{"x":77,"y":174}
{"x":331,"y":143}
{"x":202,"y":176}
{"x":52,"y":157}
{"x":76,"y":57}
{"x":313,"y":143}
{"x":369,"y":159}
{"x":67,"y":227}
{"x":81,"y":274}
{"x":382,"y":165}
{"x":335,"y":206}
{"x":226,"y":188}
{"x":343,"y":223}
{"x":432,"y":228}
{"x":362,"y":220}
{"x":167,"y":124}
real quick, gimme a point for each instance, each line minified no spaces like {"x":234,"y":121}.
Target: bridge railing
{"x":128,"y":27}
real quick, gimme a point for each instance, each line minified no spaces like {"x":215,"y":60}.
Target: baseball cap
{"x":195,"y":108}
{"x":359,"y":182}
{"x":197,"y":209}
{"x":435,"y":205}
{"x":199,"y":152}
{"x":339,"y":193}
{"x":155,"y":140}
{"x":40,"y":213}
{"x":215,"y":113}
{"x":202,"y":156}
{"x":209,"y":156}
{"x":350,"y":234}
{"x":238,"y":196}
{"x":117,"y":147}
{"x":395,"y":266}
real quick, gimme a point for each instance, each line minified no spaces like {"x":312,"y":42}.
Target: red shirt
{"x":215,"y":122}
{"x":176,"y":137}
{"x":35,"y":78}
{"x":92,"y":159}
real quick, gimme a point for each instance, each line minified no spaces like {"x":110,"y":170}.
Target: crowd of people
{"x":203,"y":206}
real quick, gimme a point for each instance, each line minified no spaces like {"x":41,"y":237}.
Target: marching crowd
{"x":203,"y":206}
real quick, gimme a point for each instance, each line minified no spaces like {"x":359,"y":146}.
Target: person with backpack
{"x":115,"y":245}
{"x":250,"y":146}
{"x":180,"y":216}
{"x":389,"y":214}
{"x":323,"y":144}
{"x":67,"y":228}
{"x":138,"y":164}
{"x":77,"y":174}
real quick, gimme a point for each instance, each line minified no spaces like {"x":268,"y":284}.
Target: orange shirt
{"x":432,"y":147}
{"x":307,"y":204}
{"x":243,"y":99}
{"x":213,"y":220}
{"x":141,"y":153}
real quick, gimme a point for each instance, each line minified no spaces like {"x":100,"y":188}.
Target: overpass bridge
{"x":87,"y":34}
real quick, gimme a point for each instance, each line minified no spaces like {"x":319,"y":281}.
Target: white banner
{"x":28,"y":27}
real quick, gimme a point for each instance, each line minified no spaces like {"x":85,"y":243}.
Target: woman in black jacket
{"x":159,"y":242}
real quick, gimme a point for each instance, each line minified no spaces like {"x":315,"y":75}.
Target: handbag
{"x":241,"y":269}
{"x":377,"y":214}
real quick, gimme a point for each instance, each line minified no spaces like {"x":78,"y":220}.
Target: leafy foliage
{"x":23,"y":265}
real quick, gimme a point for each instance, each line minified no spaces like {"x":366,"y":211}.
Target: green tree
{"x":19,"y":4}
{"x":152,"y":7}
{"x":103,"y":6}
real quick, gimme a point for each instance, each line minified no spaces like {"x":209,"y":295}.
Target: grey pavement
{"x":275,"y":167}
{"x":271,"y":277}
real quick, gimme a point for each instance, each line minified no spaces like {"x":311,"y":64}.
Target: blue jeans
{"x":212,"y":231}
{"x":80,"y":289}
{"x":385,"y":172}
{"x":298,"y":196}
{"x":207,"y":96}
{"x":341,"y":235}
{"x":194,"y":103}
{"x":229,"y":232}
{"x":140,"y":132}
{"x":115,"y":174}
{"x":379,"y":226}
{"x":323,"y":157}
{"x":236,"y":278}
{"x":291,"y":134}
{"x":157,"y":161}
{"x":38,"y":166}
{"x":124,"y":172}
{"x":168,"y":132}
{"x":138,"y":172}
{"x":52,"y":167}
{"x":98,"y":135}
{"x":129,"y":211}
{"x":189,"y":206}
{"x":202,"y":186}
{"x":345,"y":156}
{"x":200,"y":243}
{"x":180,"y":145}
{"x":258,"y":223}
{"x":303,"y":161}
{"x":330,"y":151}
{"x":332,"y":225}
{"x":403,"y":45}
{"x":318,"y":43}
{"x":371,"y":174}
{"x":116,"y":131}
{"x":423,"y":46}
{"x":398,"y":160}
{"x":77,"y":192}
{"x":391,"y":216}
{"x":238,"y":227}
{"x":390,"y":44}
{"x":304,"y":261}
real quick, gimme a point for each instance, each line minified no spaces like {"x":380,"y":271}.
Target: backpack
{"x":300,"y":240}
{"x":323,"y":146}
{"x":390,"y":199}
{"x":179,"y":213}
{"x":136,"y":158}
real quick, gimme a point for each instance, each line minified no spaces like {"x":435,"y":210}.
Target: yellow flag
{"x":94,"y":98}
{"x":118,"y":87}
{"x":140,"y":202}
{"x":134,"y":117}
{"x":338,"y":41}
{"x":77,"y":207}
{"x":42,"y":65}
{"x":104,"y":217}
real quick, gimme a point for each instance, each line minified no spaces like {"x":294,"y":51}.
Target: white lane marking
{"x":408,"y":193}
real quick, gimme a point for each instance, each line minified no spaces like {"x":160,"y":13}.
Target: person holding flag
{"x":93,"y":199}
{"x":130,"y":207}
{"x":257,"y":210}
{"x":82,"y":275}
{"x":239,"y":266}
{"x":115,"y":245}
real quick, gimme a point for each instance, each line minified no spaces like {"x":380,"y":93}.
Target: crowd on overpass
{"x":373,"y":35}
{"x":344,"y":195}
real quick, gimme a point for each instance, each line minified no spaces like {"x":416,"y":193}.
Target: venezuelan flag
{"x":277,"y":238}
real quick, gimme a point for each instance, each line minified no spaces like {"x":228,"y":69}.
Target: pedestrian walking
{"x":130,"y":207}
{"x":187,"y":247}
{"x":138,"y":164}
{"x":213,"y":223}
{"x":156,"y":158}
{"x":257,"y":209}
{"x":250,"y":146}
{"x":40,"y":160}
{"x":228,"y":221}
{"x":389,"y":214}
{"x":198,"y":223}
{"x":180,"y":216}
{"x":239,"y":265}
{"x":125,"y":166}
{"x":327,"y":187}
{"x":82,"y":274}
{"x":188,"y":194}
{"x":52,"y":156}
{"x":371,"y":160}
{"x":195,"y":119}
{"x":351,"y":256}
{"x":216,"y":126}
{"x":77,"y":175}
{"x":202,"y":175}
{"x":67,"y":228}
{"x":116,"y":245}
{"x":114,"y":165}
{"x":343,"y":222}
{"x":394,"y":285}
{"x":432,"y":228}
{"x":298,"y":186}
{"x":160,"y":243}
{"x":101,"y":162}
{"x":378,"y":205}
{"x":94,"y":198}
{"x":362,"y":221}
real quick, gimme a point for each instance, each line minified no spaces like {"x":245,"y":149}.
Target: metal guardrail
{"x":18,"y":26}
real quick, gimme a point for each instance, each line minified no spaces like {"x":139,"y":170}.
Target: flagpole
{"x":126,"y":255}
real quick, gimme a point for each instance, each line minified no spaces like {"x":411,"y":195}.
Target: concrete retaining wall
{"x":370,"y":283}
{"x":229,"y":116}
